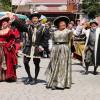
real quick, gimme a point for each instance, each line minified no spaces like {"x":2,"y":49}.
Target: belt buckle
{"x":58,"y":43}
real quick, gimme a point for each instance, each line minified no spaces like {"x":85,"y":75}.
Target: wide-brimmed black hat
{"x":34,"y":15}
{"x":4,"y":18}
{"x":61,"y":18}
{"x":93,"y":22}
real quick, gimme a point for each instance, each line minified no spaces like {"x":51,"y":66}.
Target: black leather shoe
{"x":53,"y":88}
{"x":28,"y":81}
{"x":47,"y":87}
{"x":86,"y":73}
{"x":33,"y":82}
{"x":95,"y":73}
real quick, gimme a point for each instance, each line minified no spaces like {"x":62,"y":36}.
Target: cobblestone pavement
{"x":85,"y":87}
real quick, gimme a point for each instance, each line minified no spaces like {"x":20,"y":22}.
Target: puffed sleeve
{"x":20,"y":26}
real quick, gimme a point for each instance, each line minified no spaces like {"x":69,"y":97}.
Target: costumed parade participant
{"x":59,"y":71}
{"x":36,"y":42}
{"x":8,"y":58}
{"x":79,"y":41}
{"x":92,"y":48}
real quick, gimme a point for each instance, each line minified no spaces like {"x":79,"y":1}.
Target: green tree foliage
{"x":91,"y":8}
{"x":6,"y":5}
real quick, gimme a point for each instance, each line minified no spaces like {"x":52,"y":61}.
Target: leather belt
{"x":58,"y":43}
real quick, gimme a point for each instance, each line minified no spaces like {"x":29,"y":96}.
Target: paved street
{"x":85,"y":87}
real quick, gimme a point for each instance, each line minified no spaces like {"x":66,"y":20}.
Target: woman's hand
{"x":21,"y":44}
{"x":10,"y":15}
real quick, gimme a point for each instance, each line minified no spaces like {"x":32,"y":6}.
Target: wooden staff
{"x":18,"y":6}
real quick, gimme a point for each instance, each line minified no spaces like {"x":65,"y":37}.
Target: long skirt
{"x":79,"y":48}
{"x":2,"y":59}
{"x":8,"y":60}
{"x":59,"y":71}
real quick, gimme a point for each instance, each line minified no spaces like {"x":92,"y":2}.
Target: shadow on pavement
{"x":23,"y":79}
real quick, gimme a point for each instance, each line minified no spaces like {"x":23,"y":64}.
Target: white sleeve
{"x":50,"y":44}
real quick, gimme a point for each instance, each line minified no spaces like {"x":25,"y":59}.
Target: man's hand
{"x":41,"y":49}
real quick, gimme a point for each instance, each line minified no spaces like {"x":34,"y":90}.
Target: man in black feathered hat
{"x":37,"y":39}
{"x":35,"y":15}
